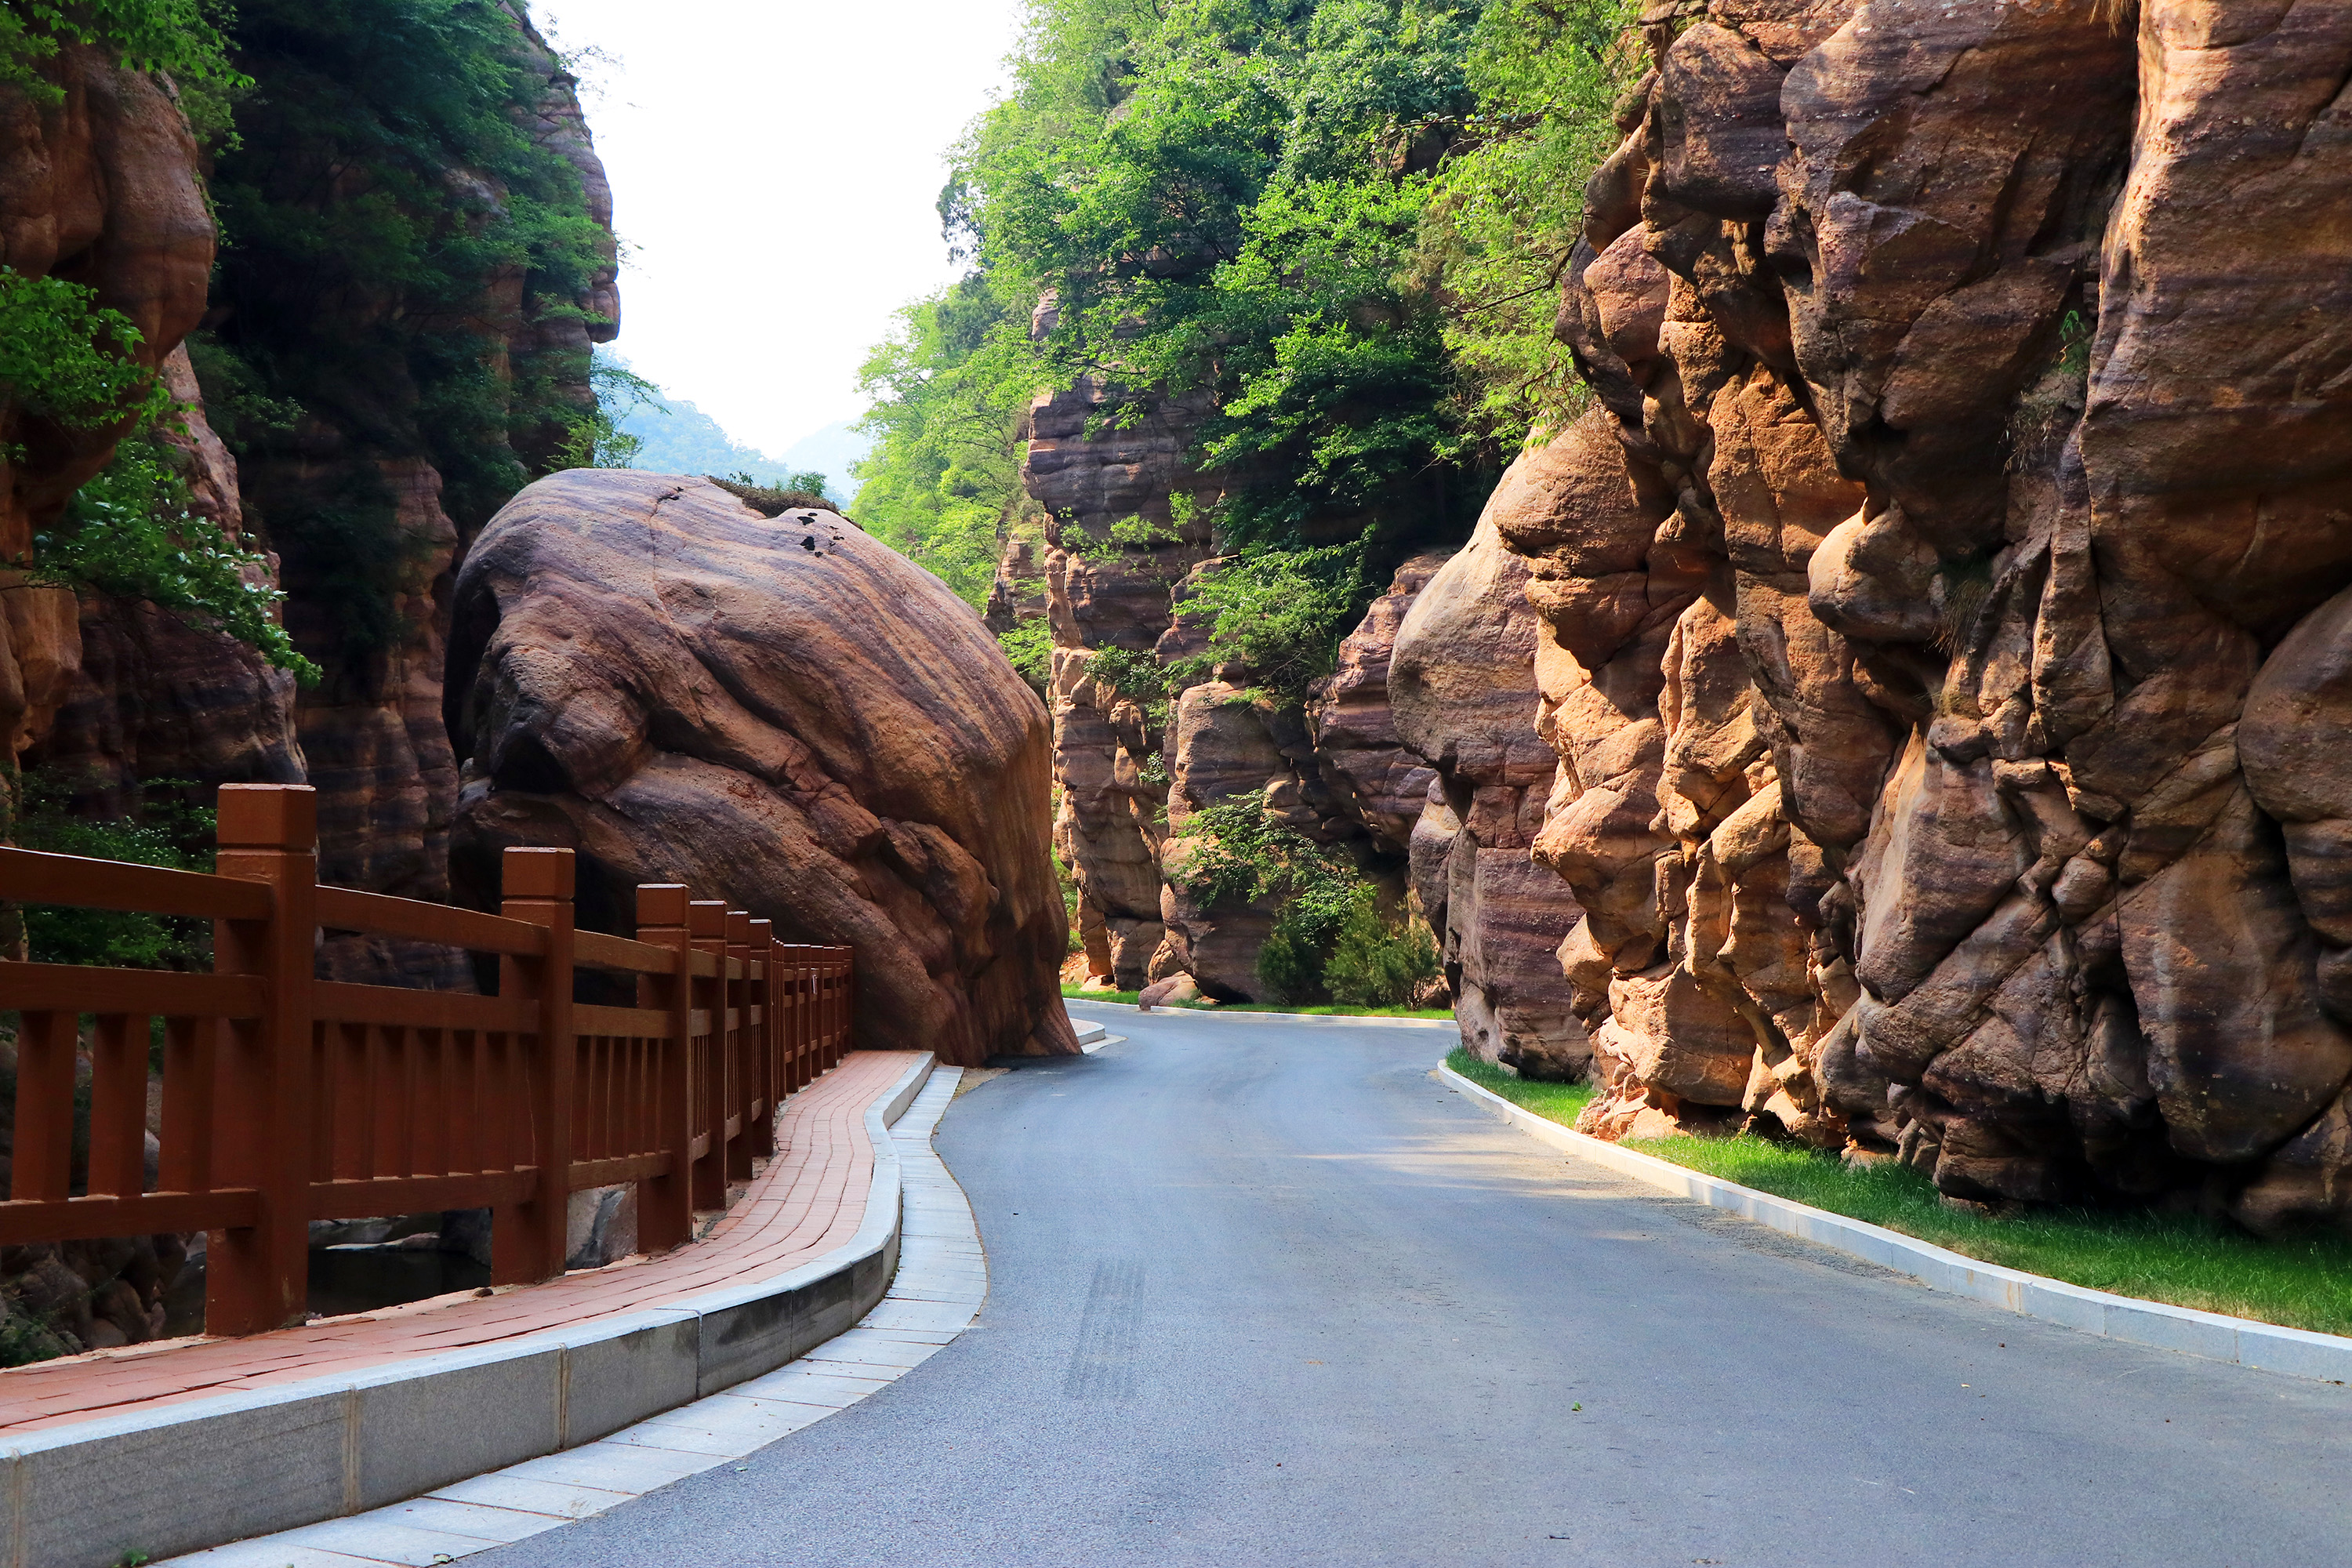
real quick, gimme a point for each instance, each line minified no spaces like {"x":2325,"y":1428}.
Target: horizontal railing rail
{"x":285,"y":1097}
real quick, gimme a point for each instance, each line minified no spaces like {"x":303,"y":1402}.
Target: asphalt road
{"x":1267,"y":1293}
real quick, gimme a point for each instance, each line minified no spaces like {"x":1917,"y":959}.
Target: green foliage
{"x":942,"y":484}
{"x":65,"y":357}
{"x":1280,"y":612}
{"x":387,"y":186}
{"x":1030,"y":645}
{"x":182,"y":38}
{"x":1509,"y":204}
{"x":1330,"y":935}
{"x":1339,"y":227}
{"x":167,"y":832}
{"x":130,"y":534}
{"x":1376,"y":961}
{"x":775,"y":500}
{"x":1139,"y":677}
{"x":597,"y":439}
{"x":2303,"y":1282}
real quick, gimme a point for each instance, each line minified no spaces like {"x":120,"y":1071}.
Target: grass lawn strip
{"x":1129,"y":998}
{"x":2182,"y":1259}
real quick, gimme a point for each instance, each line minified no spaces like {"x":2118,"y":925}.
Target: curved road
{"x":1265,"y":1293}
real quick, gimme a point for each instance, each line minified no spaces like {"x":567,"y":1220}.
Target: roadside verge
{"x":179,"y":1476}
{"x":2297,"y":1352}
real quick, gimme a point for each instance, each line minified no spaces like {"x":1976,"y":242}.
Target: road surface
{"x":1265,"y":1293}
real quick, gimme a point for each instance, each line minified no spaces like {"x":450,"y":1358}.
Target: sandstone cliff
{"x":100,"y":187}
{"x":778,"y":712}
{"x":1939,"y":609}
{"x":1101,"y":594}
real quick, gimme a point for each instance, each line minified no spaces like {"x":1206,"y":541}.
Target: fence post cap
{"x":268,"y":816}
{"x":739,"y":927}
{"x":708,"y":917}
{"x":662,"y":904}
{"x":529,"y":872}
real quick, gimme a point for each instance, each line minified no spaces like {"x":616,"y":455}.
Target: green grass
{"x":2189,"y":1261}
{"x":1129,"y":997}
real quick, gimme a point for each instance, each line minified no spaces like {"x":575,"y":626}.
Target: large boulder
{"x":778,"y":712}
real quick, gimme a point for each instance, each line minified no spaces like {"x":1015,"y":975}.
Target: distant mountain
{"x":678,"y":438}
{"x":831,"y":452}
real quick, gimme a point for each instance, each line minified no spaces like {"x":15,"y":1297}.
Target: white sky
{"x":774,"y":164}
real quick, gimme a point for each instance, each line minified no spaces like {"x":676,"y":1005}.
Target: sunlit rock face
{"x":777,"y":712}
{"x":1461,"y":691}
{"x":1943,"y":607}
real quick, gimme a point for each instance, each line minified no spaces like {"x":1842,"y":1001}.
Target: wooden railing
{"x":288,"y":1098}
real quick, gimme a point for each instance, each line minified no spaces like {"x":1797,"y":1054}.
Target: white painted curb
{"x":204,"y":1471}
{"x":2298,"y":1353}
{"x":1176,"y":1012}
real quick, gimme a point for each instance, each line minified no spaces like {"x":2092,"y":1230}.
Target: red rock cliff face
{"x":372,"y":730}
{"x":1107,"y":756}
{"x":99,"y":188}
{"x":1942,"y":611}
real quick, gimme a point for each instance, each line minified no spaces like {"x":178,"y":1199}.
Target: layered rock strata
{"x":1105,"y":595}
{"x":1939,"y":606}
{"x":1461,"y":691}
{"x":778,"y":712}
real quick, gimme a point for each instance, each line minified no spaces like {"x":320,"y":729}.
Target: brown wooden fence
{"x":288,"y":1098}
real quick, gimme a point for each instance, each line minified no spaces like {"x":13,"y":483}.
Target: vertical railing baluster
{"x":666,"y":1203}
{"x":768,"y":1080}
{"x":118,"y":1106}
{"x":43,"y":1169}
{"x":190,"y":1055}
{"x":709,"y":919}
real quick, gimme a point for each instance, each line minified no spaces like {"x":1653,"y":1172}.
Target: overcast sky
{"x":774,"y":164}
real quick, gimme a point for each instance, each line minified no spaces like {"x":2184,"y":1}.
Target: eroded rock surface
{"x":1943,"y":609}
{"x":1460,"y":688}
{"x":781,"y":713}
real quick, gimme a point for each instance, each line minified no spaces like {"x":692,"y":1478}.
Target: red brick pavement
{"x":809,"y":1200}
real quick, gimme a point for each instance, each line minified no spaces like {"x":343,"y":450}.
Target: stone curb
{"x":1275,"y":1017}
{"x":221,"y":1469}
{"x":2296,"y":1352}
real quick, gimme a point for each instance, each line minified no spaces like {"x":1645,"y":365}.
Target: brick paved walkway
{"x":809,"y":1199}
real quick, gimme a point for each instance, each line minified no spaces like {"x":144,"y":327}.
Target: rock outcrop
{"x":1105,"y":595}
{"x":397,"y":458}
{"x":1460,"y":688}
{"x":778,"y":712}
{"x":102,"y":187}
{"x":1940,"y":609}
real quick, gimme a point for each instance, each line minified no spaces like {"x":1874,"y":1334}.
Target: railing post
{"x":527,"y":1239}
{"x":259,"y":1279}
{"x":707,"y":919}
{"x":768,"y":1083}
{"x":666,"y":1203}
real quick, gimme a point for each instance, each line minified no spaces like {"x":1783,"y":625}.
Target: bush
{"x":166,"y":832}
{"x":1376,"y":961}
{"x":1030,"y":646}
{"x":130,"y":534}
